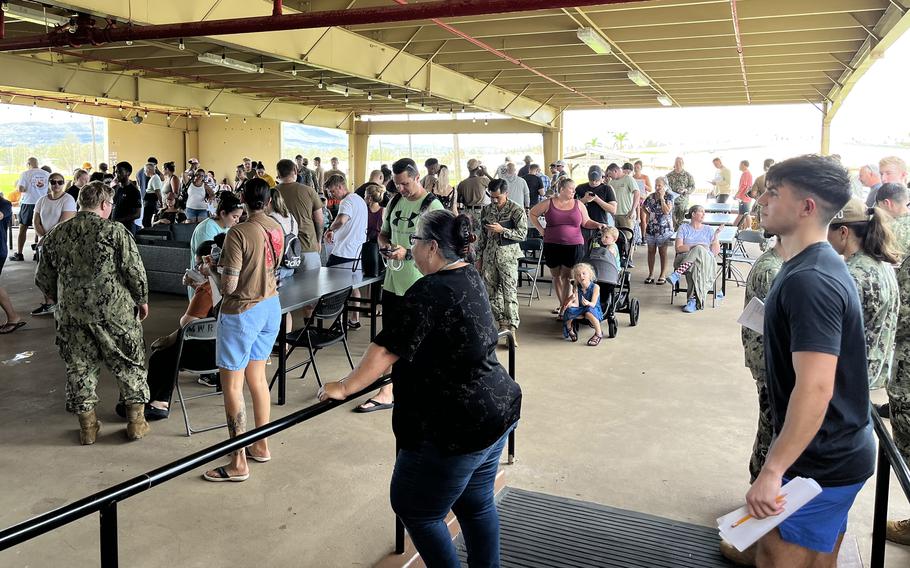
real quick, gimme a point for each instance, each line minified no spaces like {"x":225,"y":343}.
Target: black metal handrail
{"x":888,"y":458}
{"x":105,"y":502}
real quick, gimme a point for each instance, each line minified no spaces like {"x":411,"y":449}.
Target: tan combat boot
{"x":898,"y":531}
{"x":88,"y":428}
{"x":744,"y":558}
{"x":137,"y":426}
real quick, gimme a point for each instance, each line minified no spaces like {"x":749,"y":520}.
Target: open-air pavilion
{"x":638,"y":425}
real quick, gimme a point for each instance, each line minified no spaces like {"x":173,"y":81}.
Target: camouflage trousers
{"x":84,"y":347}
{"x":680,"y":208}
{"x":500,"y":274}
{"x":764,"y":432}
{"x":899,"y":401}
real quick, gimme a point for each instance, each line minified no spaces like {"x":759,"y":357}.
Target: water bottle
{"x":216,"y":253}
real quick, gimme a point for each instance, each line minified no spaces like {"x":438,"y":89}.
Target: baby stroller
{"x":615,"y":284}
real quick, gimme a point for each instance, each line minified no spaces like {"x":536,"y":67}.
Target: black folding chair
{"x":313,"y":336}
{"x":530,"y":265}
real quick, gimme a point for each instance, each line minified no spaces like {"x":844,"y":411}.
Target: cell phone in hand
{"x":385,"y":251}
{"x":195,"y":276}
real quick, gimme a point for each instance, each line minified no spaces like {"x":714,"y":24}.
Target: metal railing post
{"x":108,"y":521}
{"x":880,"y":515}
{"x":399,"y":526}
{"x":511,"y":341}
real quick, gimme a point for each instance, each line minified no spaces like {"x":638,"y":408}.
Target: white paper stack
{"x":753,"y":316}
{"x":796,"y":493}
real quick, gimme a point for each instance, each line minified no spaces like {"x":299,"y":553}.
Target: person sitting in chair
{"x":696,"y":245}
{"x":583,"y":304}
{"x":163,"y":363}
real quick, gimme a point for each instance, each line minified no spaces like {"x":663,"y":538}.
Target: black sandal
{"x":595,"y":340}
{"x":649,"y":280}
{"x":10,"y":327}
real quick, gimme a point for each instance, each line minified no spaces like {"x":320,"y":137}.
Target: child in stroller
{"x":583,"y":304}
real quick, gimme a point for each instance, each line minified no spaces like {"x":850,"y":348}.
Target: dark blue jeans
{"x":427,"y":484}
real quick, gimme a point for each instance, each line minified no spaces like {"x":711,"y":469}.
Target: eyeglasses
{"x":57,"y":182}
{"x":412,"y":238}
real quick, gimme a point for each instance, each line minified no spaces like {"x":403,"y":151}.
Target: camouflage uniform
{"x":92,"y":267}
{"x":901,"y":229}
{"x":499,"y":262}
{"x":899,"y":385}
{"x":878,"y":295}
{"x":758,"y":284}
{"x":681,"y":184}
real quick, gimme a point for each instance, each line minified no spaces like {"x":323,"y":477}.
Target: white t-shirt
{"x":196,"y":197}
{"x":349,"y":238}
{"x":34,"y":181}
{"x":155,"y":184}
{"x":51,"y":209}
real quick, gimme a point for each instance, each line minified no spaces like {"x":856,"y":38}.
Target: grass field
{"x":7,"y":184}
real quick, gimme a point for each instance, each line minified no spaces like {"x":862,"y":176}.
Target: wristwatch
{"x":408,"y":255}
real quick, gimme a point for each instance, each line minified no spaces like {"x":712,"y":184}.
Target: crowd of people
{"x":832,"y":297}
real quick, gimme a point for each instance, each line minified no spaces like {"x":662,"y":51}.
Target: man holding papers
{"x":817,"y":374}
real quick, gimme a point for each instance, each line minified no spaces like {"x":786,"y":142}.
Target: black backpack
{"x":293,"y":251}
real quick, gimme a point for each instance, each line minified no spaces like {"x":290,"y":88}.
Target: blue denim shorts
{"x":248,"y":336}
{"x":196,"y":215}
{"x":821,"y":521}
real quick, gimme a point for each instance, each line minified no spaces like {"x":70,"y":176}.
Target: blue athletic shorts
{"x":819,"y":524}
{"x":248,"y":336}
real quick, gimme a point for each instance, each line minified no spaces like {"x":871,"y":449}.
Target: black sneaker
{"x":884,"y":410}
{"x":44,"y":310}
{"x":209,"y":380}
{"x":17,"y":257}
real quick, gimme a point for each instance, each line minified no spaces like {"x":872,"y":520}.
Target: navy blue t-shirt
{"x":813,"y":306}
{"x":6,"y":208}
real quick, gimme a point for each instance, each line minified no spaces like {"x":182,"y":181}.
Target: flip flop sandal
{"x":10,"y":327}
{"x":649,"y":281}
{"x":555,"y":311}
{"x":573,"y":337}
{"x":259,"y":459}
{"x":661,"y":281}
{"x":221,"y":474}
{"x":376,"y":406}
{"x":595,"y":340}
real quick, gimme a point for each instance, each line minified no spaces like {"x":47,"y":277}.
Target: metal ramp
{"x":541,"y":531}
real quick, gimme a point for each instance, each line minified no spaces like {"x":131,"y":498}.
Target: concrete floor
{"x":658,"y":420}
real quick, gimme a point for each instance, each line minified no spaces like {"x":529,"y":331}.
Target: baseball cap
{"x":528,"y":158}
{"x":193,"y":161}
{"x":855,"y":211}
{"x":87,"y":166}
{"x":595,"y":173}
{"x":560,"y":163}
{"x":473,"y":164}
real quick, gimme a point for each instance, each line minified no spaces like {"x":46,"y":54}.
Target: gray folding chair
{"x":740,"y":255}
{"x":194,"y":332}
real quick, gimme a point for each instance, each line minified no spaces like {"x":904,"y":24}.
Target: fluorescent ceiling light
{"x":34,"y":16}
{"x":342,"y":90}
{"x":638,"y":78}
{"x":236,"y":64}
{"x":664,"y":101}
{"x":594,"y":40}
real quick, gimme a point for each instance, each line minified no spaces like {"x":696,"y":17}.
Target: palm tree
{"x":593,"y":142}
{"x":619,"y":138}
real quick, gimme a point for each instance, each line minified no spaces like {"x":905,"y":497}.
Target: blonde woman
{"x":439,"y":185}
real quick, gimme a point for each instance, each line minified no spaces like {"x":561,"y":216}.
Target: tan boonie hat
{"x":855,"y":211}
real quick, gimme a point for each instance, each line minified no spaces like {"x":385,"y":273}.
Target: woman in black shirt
{"x":454,"y":403}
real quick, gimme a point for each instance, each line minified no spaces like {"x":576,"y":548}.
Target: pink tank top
{"x":563,"y":227}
